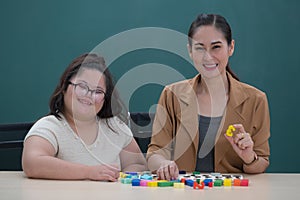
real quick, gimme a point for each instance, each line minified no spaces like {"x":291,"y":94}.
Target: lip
{"x":85,"y":102}
{"x":210,"y":67}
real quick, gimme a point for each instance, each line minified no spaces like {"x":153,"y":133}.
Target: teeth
{"x":85,"y":102}
{"x":210,"y":65}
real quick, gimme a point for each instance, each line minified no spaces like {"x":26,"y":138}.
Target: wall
{"x":40,"y":38}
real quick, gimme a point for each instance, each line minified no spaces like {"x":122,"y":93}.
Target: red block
{"x":199,"y":186}
{"x":244,"y":182}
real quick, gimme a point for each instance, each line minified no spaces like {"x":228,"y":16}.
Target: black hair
{"x":219,"y":23}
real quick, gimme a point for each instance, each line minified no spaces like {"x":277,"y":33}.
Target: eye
{"x":199,"y":48}
{"x":82,"y":86}
{"x":99,"y":92}
{"x":216,"y":47}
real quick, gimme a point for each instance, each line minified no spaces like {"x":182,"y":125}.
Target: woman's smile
{"x":210,"y":67}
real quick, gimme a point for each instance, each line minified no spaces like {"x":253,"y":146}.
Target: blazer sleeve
{"x":163,"y":128}
{"x":260,"y":137}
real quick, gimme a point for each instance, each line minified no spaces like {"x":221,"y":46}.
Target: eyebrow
{"x":213,"y":43}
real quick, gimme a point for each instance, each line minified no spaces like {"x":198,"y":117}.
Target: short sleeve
{"x":46,"y":128}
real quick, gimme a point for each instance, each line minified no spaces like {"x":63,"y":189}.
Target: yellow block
{"x":227,"y":182}
{"x":152,"y":184}
{"x":178,"y":185}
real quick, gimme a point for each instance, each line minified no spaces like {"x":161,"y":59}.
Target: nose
{"x":207,"y":55}
{"x":90,"y":93}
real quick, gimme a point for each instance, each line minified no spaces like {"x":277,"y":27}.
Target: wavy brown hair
{"x":112,"y":106}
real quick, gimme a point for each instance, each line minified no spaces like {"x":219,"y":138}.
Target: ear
{"x":231,"y":48}
{"x":189,"y":48}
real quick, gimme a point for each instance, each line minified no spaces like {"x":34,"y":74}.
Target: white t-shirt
{"x":68,"y":146}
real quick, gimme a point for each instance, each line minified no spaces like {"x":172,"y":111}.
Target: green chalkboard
{"x":144,"y":43}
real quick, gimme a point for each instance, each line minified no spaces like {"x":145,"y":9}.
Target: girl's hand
{"x":103,"y":172}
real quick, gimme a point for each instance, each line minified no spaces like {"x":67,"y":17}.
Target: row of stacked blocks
{"x":195,"y":180}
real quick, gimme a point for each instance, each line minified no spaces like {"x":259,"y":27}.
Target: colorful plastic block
{"x":206,"y":181}
{"x":132,"y":173}
{"x":144,"y":182}
{"x":164,"y":184}
{"x":227,"y":182}
{"x":244,"y":182}
{"x":196,"y":173}
{"x":190,"y":182}
{"x":229,"y":131}
{"x":126,"y":180}
{"x":198,"y":186}
{"x":218,"y":182}
{"x":146,"y":177}
{"x":152,"y":184}
{"x":178,"y":185}
{"x":135,"y":182}
{"x":236,"y":182}
{"x":182,"y":180}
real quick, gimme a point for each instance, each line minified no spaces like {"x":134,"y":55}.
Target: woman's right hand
{"x":168,"y":170}
{"x":103,"y":173}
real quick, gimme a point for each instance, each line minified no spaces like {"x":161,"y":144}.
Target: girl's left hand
{"x":242,"y":143}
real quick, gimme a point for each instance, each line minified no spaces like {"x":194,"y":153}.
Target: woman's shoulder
{"x":251,"y":90}
{"x":247,"y":91}
{"x":47,"y":121}
{"x":183,"y":86}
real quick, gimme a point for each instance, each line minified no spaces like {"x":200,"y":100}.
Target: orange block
{"x":236,"y":182}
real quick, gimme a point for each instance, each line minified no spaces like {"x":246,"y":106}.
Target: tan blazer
{"x":175,"y":129}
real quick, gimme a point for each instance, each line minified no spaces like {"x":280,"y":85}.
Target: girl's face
{"x":84,"y":97}
{"x":210,"y":51}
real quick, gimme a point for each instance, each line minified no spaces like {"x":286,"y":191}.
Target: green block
{"x":165,"y":184}
{"x":218,"y":182}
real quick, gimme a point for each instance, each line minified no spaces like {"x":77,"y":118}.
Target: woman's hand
{"x":103,"y":173}
{"x":242,"y":144}
{"x":168,"y":170}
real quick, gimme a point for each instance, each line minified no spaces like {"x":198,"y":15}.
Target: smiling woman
{"x":193,"y":115}
{"x":83,"y":137}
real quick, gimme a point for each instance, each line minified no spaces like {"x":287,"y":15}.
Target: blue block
{"x":146,"y":177}
{"x":206,"y":181}
{"x":189,"y":182}
{"x":135,"y":182}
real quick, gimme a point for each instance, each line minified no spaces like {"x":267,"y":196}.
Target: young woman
{"x":83,"y":137}
{"x":193,"y":115}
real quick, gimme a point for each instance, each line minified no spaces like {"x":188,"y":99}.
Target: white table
{"x":14,"y":185}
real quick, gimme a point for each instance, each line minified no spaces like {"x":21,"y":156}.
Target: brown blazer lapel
{"x":187,"y":133}
{"x":231,"y":115}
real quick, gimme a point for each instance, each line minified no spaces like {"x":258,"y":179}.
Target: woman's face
{"x":210,"y":51}
{"x":84,"y":97}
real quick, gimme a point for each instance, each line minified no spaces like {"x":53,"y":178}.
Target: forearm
{"x":258,"y":166}
{"x":49,"y":167}
{"x":135,"y":168}
{"x":154,"y":161}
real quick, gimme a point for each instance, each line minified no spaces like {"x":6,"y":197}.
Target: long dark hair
{"x":217,"y":21}
{"x":112,"y":106}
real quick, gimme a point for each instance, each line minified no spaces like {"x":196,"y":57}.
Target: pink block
{"x":144,"y":182}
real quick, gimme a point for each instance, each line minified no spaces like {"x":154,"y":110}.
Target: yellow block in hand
{"x":230,"y":130}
